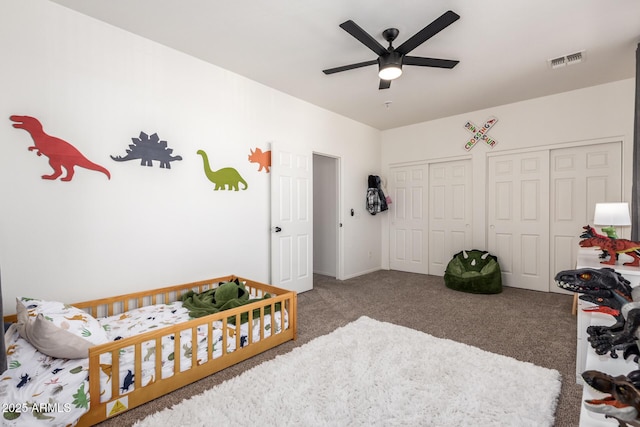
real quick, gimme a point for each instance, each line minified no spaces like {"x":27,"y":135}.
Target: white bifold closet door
{"x":537,"y":204}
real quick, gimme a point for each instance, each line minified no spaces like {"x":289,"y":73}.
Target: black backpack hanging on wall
{"x":376,"y":200}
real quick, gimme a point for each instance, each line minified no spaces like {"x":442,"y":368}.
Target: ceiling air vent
{"x":573,"y":58}
{"x":558,"y":62}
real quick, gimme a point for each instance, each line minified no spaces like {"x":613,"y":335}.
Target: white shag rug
{"x":371,"y":373}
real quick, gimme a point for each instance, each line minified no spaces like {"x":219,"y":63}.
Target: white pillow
{"x":57,"y":329}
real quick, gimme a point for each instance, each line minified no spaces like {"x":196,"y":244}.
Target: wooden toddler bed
{"x":136,"y":369}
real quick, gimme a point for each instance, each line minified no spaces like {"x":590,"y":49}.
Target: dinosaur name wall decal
{"x":225,"y":178}
{"x":480,"y":134}
{"x":61,"y":154}
{"x":147,"y":149}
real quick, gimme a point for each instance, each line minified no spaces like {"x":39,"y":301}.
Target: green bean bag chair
{"x":474,"y":271}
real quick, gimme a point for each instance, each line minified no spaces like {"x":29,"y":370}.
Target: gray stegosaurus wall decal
{"x":147,"y":149}
{"x":225,"y":178}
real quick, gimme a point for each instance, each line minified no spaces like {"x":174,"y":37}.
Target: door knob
{"x":278,"y":229}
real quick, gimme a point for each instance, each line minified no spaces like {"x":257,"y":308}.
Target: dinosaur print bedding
{"x":41,"y":390}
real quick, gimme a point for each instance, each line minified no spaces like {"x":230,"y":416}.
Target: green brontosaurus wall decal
{"x":225,"y":177}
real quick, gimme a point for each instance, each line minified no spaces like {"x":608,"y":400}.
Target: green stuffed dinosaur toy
{"x":224,"y":297}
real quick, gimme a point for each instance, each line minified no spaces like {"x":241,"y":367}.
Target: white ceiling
{"x":502,"y":45}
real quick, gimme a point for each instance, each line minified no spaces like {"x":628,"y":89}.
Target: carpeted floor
{"x":535,"y":327}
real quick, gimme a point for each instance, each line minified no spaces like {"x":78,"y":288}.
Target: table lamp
{"x":610,"y":215}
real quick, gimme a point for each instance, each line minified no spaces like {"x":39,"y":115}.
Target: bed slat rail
{"x":122,"y":303}
{"x":111,"y":306}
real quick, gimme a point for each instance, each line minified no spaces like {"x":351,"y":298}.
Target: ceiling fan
{"x":390,"y":60}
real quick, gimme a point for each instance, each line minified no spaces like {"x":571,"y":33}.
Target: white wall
{"x":600,"y":113}
{"x":97,"y":86}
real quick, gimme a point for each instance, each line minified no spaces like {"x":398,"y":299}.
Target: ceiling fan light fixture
{"x":390,"y":72}
{"x":390,"y":66}
{"x":390,"y":59}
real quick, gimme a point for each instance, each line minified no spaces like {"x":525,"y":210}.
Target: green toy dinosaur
{"x":227,"y":295}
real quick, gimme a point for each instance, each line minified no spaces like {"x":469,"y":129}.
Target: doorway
{"x":326,"y":221}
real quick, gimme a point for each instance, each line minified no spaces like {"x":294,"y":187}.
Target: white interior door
{"x":291,"y":217}
{"x":408,"y":228}
{"x":518,"y":218}
{"x":580,"y":178}
{"x":450,"y":212}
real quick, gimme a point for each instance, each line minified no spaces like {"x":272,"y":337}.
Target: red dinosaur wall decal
{"x":61,"y":154}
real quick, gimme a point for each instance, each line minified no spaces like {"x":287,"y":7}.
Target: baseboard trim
{"x":351,"y":276}
{"x":324,"y":273}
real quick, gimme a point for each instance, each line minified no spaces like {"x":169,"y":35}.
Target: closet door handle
{"x":278,"y":229}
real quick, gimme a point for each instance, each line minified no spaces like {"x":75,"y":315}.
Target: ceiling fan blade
{"x":350,"y":67}
{"x":429,"y":62}
{"x":363,"y":37}
{"x":429,"y":31}
{"x":384,"y":84}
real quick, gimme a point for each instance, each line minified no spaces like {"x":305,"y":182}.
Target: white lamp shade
{"x":612,"y":214}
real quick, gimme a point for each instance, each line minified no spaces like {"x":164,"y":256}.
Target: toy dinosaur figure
{"x":225,"y":177}
{"x":623,"y":401}
{"x":606,"y":287}
{"x":61,"y":154}
{"x":589,"y":232}
{"x":611,"y":246}
{"x":147,"y":149}
{"x":602,"y":309}
{"x":225,"y":296}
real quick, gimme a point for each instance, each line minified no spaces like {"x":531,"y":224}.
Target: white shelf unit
{"x":586,"y":357}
